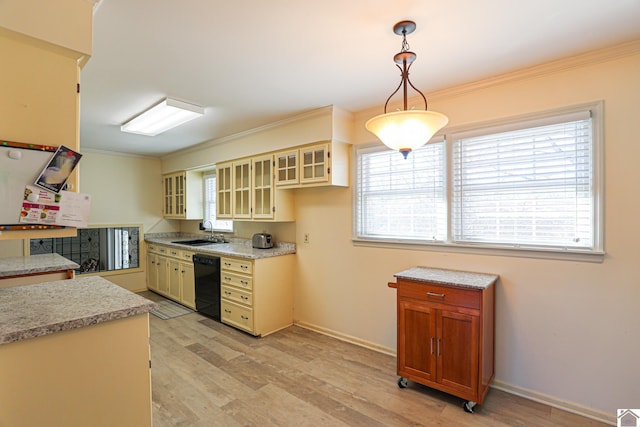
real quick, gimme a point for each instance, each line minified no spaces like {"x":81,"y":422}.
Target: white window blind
{"x":402,"y":199}
{"x":531,"y":186}
{"x":210,"y":196}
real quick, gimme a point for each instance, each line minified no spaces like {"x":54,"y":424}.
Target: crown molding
{"x":283,"y":122}
{"x":588,"y":58}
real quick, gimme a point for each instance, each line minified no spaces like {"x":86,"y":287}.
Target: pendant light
{"x":406,"y":130}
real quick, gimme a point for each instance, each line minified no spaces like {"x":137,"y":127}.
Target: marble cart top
{"x":463,"y":279}
{"x":45,"y":263}
{"x":45,"y":308}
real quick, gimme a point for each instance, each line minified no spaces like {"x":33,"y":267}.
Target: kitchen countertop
{"x":462,"y":279}
{"x":241,"y":248}
{"x":46,"y":308}
{"x":34,"y":264}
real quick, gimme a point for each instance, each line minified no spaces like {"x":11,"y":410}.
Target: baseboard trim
{"x":347,"y":338}
{"x":574,"y":408}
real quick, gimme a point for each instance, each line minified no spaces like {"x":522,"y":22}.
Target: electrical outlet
{"x":306,"y":237}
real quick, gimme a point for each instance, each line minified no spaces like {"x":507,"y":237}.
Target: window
{"x":210,"y":194}
{"x":529,"y":184}
{"x":402,"y":199}
{"x":95,"y":249}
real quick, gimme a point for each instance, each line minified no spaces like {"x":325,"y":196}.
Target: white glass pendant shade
{"x":406,"y":130}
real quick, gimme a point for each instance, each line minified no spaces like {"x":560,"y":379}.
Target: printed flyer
{"x":64,"y":208}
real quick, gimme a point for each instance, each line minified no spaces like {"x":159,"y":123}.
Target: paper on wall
{"x":64,"y":208}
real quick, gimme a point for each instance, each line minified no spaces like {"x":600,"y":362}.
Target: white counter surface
{"x":50,"y":307}
{"x":34,"y":264}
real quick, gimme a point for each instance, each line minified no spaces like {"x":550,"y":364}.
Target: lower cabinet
{"x":446,"y":338}
{"x":170,"y":273}
{"x":257,"y":295}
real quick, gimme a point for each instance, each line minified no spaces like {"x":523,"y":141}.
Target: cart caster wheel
{"x":468,"y":405}
{"x":402,"y":382}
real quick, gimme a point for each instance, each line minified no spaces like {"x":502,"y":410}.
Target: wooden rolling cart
{"x":446,"y":331}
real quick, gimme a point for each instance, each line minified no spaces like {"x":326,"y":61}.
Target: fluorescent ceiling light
{"x":161,"y":117}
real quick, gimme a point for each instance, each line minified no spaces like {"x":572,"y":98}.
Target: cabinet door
{"x":457,"y":349}
{"x":416,"y":341}
{"x":262,"y":187}
{"x":242,"y":189}
{"x":286,"y":168}
{"x":152,"y":271}
{"x":187,"y":282}
{"x":174,"y":279}
{"x":163,"y":275}
{"x":167,"y":195}
{"x":314,"y":163}
{"x":179,"y":194}
{"x":224,"y":194}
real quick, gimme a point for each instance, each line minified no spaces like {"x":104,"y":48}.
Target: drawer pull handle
{"x":227,"y":293}
{"x":227,"y":264}
{"x":244,"y":267}
{"x":244,"y":317}
{"x":244,"y":282}
{"x":227,"y":278}
{"x":244,"y":298}
{"x":432,"y":294}
{"x":438,"y":347}
{"x":431,"y":345}
{"x":227,"y":311}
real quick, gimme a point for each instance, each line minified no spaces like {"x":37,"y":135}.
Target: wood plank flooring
{"x":207,"y":374}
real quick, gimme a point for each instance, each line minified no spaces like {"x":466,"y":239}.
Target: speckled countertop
{"x":34,"y":310}
{"x":241,"y":248}
{"x":45,"y":263}
{"x":463,"y":279}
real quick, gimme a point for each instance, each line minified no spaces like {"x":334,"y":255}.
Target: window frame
{"x":215,"y":224}
{"x":531,"y":120}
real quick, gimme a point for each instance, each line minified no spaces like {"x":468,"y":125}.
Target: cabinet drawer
{"x":239,"y":265}
{"x":186,"y":256}
{"x":237,"y":315}
{"x":430,"y":292}
{"x":176,"y":253}
{"x":162,"y":250}
{"x":237,"y":295}
{"x":152,"y":249}
{"x":238,"y":280}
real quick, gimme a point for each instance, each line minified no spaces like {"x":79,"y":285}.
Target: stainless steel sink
{"x":196,"y":242}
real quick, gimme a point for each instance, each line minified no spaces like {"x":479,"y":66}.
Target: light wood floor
{"x":208,"y":374}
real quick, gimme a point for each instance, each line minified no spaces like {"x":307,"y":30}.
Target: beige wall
{"x":567,"y":332}
{"x":125,"y":190}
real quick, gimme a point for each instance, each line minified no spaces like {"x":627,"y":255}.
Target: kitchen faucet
{"x":213,"y":237}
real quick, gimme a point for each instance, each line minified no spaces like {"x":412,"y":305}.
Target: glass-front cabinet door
{"x":242,"y":189}
{"x":262,"y":187}
{"x":224,"y":194}
{"x":314,"y":163}
{"x":286,"y":168}
{"x":167,"y":193}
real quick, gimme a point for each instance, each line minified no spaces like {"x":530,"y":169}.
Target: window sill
{"x":567,"y":255}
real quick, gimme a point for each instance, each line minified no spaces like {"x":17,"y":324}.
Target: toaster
{"x":262,"y":241}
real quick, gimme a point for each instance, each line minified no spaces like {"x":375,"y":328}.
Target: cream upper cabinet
{"x":182,"y":195}
{"x":246,"y":191}
{"x":286,"y":168}
{"x":242,"y":189}
{"x":325,"y":163}
{"x":314,"y":164}
{"x":262,"y":189}
{"x":224,"y":191}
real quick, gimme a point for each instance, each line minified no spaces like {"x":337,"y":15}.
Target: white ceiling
{"x":253,"y":62}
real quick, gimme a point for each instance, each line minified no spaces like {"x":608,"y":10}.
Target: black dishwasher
{"x":207,"y":278}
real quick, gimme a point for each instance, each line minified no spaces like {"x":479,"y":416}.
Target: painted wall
{"x":125,"y":190}
{"x":567,"y":332}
